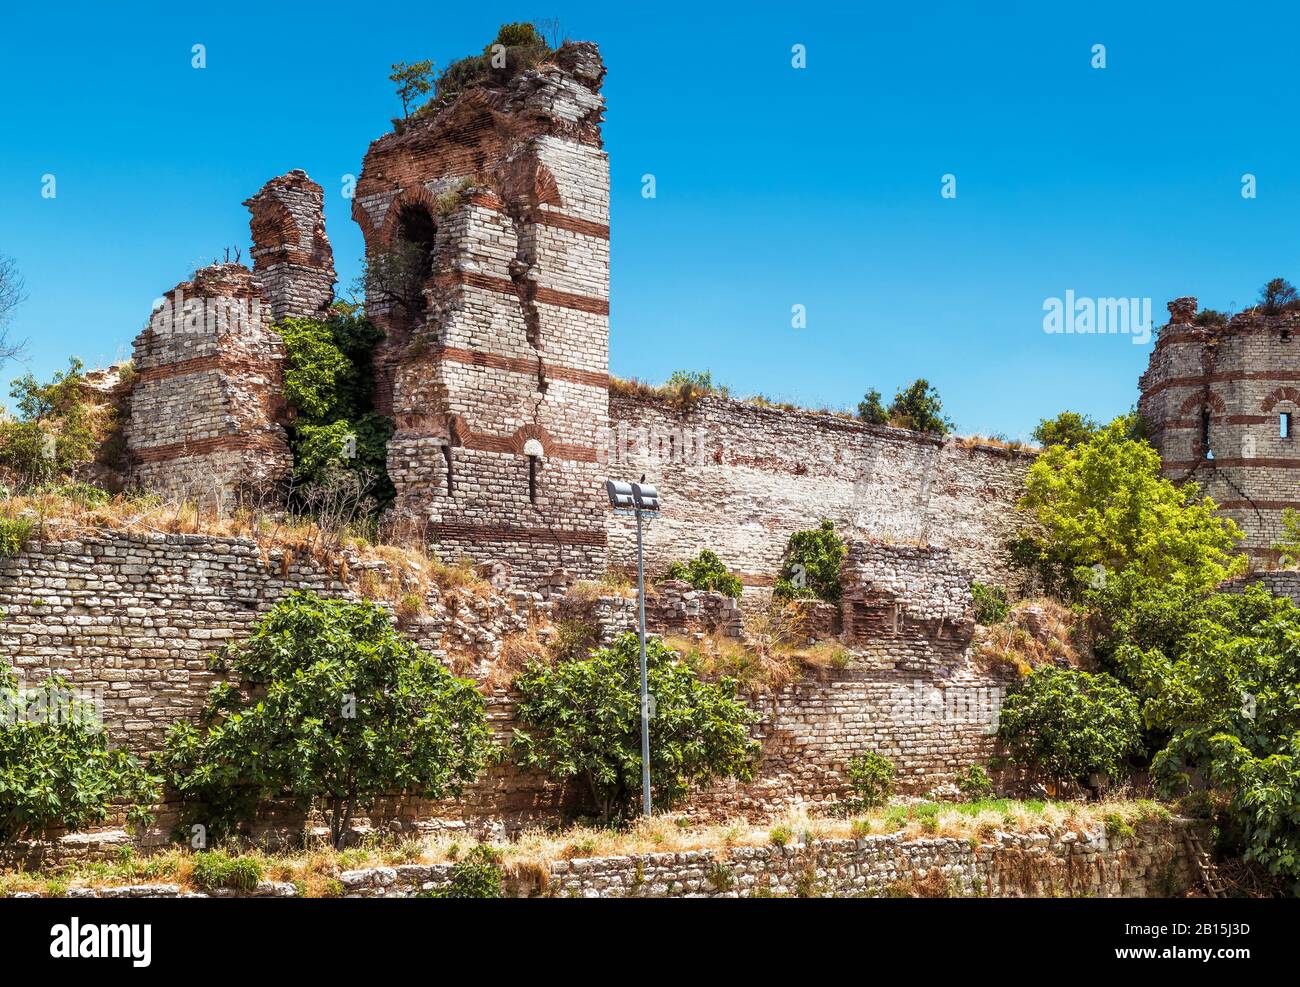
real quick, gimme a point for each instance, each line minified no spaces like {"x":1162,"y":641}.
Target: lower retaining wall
{"x":1148,"y":863}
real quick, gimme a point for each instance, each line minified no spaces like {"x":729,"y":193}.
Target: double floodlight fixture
{"x":632,"y":497}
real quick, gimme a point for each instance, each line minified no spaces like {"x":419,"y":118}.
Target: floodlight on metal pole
{"x":642,"y":500}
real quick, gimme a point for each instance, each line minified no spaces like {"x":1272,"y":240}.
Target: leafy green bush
{"x":1069,"y":724}
{"x":707,"y":572}
{"x":974,"y":783}
{"x":477,"y":876}
{"x":871,"y":781}
{"x":338,"y":709}
{"x":217,"y":869}
{"x":1226,"y":690}
{"x":991,"y":606}
{"x":328,"y":379}
{"x":811,"y":569}
{"x":871,"y":411}
{"x":57,"y":770}
{"x":14,"y":532}
{"x":919,"y":408}
{"x":581,"y":719}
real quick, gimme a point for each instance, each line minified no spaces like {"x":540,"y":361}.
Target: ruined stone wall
{"x":1151,"y":862}
{"x":496,"y":373}
{"x":293,"y":262}
{"x":1213,"y":396}
{"x":738,"y":479}
{"x":206,"y":404}
{"x":133,"y":616}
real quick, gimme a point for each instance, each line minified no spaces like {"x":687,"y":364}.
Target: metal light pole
{"x":642,"y":500}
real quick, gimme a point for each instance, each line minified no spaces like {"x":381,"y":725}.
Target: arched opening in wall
{"x":398,"y":272}
{"x":534,"y":451}
{"x":451,"y":476}
{"x":1206,"y":451}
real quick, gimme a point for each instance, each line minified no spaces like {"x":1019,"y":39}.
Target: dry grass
{"x":380,"y":571}
{"x":316,"y":871}
{"x":1012,"y":644}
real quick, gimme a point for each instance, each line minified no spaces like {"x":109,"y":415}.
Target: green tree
{"x":870,"y":409}
{"x":57,"y":770}
{"x":337,"y":710}
{"x":811,"y":569}
{"x":1278,"y":296}
{"x":581,"y":719}
{"x":1107,"y":525}
{"x":1068,"y":429}
{"x":1069,"y":724}
{"x":918,"y":407}
{"x":707,"y":572}
{"x":413,"y":81}
{"x":53,"y":432}
{"x":1227,"y":691}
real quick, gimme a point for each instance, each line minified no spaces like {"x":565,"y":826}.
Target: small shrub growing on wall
{"x":707,"y":572}
{"x":56,"y":768}
{"x":871,"y":781}
{"x":14,"y":532}
{"x":1069,"y":724}
{"x":477,"y":876}
{"x":991,"y":605}
{"x":974,"y":783}
{"x":812,"y":565}
{"x":341,"y":712}
{"x":581,"y":719}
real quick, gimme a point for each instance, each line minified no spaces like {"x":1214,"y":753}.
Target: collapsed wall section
{"x":1218,"y":399}
{"x":206,"y":400}
{"x":495,"y":359}
{"x":739,"y":478}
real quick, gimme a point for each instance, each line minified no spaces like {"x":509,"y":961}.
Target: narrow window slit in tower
{"x":1205,"y":434}
{"x":532,"y":479}
{"x":446,"y":455}
{"x":1284,"y":425}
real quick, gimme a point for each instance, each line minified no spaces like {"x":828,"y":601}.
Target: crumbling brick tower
{"x":292,"y":259}
{"x":207,"y":408}
{"x":495,"y":359}
{"x":205,"y":399}
{"x":1223,"y":402}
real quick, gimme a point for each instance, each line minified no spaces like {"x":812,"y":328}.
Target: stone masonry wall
{"x":738,"y":479}
{"x":206,"y":404}
{"x":1214,"y":397}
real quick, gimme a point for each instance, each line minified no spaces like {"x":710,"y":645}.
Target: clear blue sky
{"x":775,"y":186}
